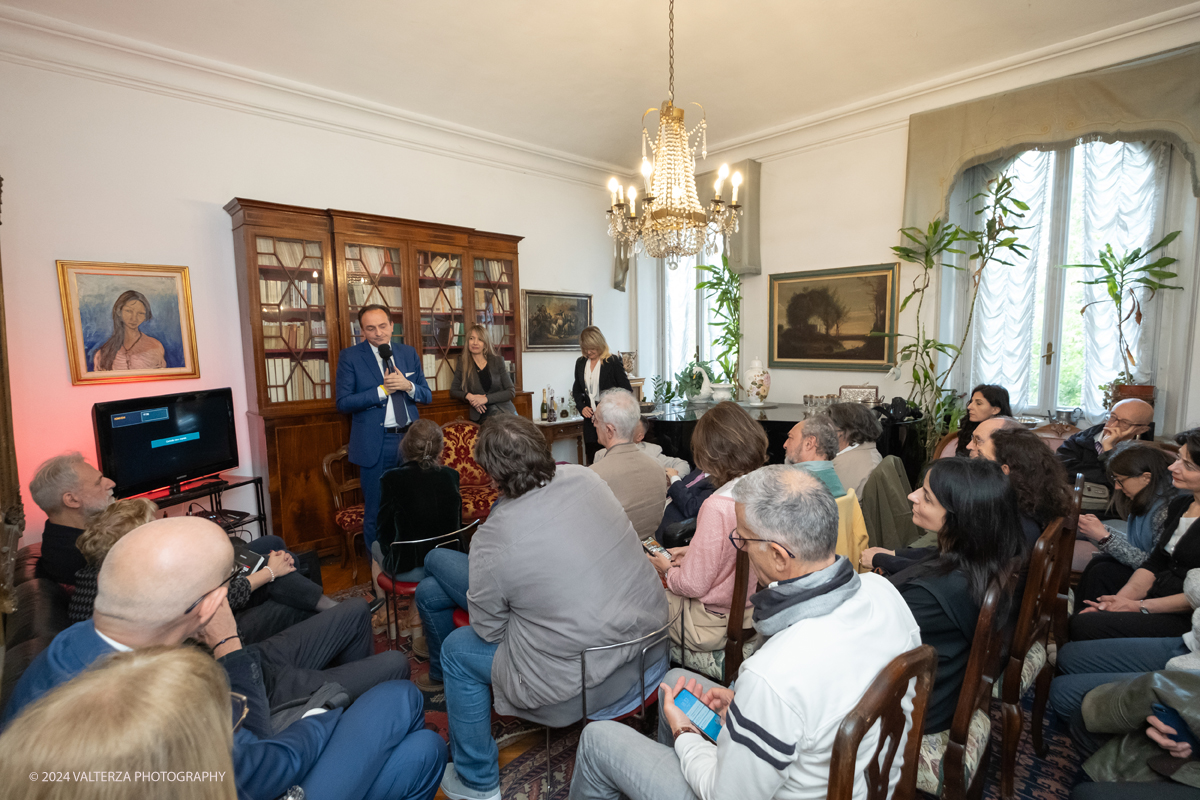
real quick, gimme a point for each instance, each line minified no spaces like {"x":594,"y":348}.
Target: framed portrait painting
{"x":127,"y":322}
{"x":832,"y":318}
{"x":554,"y":320}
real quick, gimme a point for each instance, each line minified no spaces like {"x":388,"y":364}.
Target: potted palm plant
{"x":1129,"y":286}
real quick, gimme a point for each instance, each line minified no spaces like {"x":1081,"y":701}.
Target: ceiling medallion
{"x":672,"y":225}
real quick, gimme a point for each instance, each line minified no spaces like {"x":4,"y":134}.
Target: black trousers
{"x":1156,"y":790}
{"x":1105,"y":575}
{"x":334,"y":646}
{"x":279,"y":604}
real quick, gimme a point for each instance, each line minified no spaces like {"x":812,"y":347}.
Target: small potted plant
{"x":1127,"y":282}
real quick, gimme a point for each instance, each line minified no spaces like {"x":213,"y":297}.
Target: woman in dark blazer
{"x":595,"y":371}
{"x":482,"y":378}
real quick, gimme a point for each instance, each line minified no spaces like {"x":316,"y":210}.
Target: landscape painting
{"x":831,"y":319}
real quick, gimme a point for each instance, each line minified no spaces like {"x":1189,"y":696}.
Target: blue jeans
{"x":1094,"y":662}
{"x":443,"y":589}
{"x":467,"y":662}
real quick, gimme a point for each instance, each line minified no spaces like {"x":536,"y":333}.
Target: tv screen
{"x":151,"y":442}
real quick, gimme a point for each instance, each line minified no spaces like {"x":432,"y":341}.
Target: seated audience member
{"x":71,"y":492}
{"x":1130,"y":752}
{"x":1085,"y":665}
{"x":858,"y":428}
{"x":987,"y":401}
{"x":1141,"y":473}
{"x":726,"y":444}
{"x":419,"y":499}
{"x":676,"y":465}
{"x":154,"y":710}
{"x":1087,"y":451}
{"x":555,"y":569}
{"x":637,"y":480}
{"x":971,"y":505}
{"x":1119,"y":601}
{"x":377,"y":748}
{"x":830,"y":632}
{"x":811,"y":445}
{"x":980,"y":445}
{"x":685,"y":496}
{"x":264,"y":603}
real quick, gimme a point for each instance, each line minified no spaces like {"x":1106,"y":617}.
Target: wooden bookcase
{"x":302,"y":276}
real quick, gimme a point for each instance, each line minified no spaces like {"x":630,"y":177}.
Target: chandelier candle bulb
{"x":612,"y":189}
{"x":736,"y":180}
{"x":632,"y":201}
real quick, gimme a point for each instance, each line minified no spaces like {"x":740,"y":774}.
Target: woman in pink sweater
{"x":726,"y":444}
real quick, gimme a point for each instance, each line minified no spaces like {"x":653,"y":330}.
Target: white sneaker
{"x":454,"y":788}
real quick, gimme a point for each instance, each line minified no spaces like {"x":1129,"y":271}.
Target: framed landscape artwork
{"x":127,"y":322}
{"x":554,"y":320}
{"x":824,"y":319}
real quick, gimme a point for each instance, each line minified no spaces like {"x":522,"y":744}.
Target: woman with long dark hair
{"x":987,"y":401}
{"x":1142,"y":476}
{"x":972,"y":506}
{"x":128,"y":347}
{"x":1037,"y":477}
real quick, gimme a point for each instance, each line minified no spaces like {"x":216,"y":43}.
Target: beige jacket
{"x":639,"y":483}
{"x":853,"y":467}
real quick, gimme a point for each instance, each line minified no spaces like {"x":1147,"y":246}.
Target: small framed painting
{"x":127,"y":322}
{"x":554,"y":320}
{"x":831,"y":318}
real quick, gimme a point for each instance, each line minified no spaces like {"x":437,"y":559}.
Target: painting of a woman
{"x":129,"y":347}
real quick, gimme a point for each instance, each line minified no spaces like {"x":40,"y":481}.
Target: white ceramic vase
{"x":722,"y":392}
{"x":758,"y":382}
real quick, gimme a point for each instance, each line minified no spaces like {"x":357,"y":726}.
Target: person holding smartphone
{"x":830,"y":632}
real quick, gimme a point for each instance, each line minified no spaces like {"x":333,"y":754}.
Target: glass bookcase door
{"x":291,"y":293}
{"x":373,"y":278}
{"x":495,"y":308}
{"x":440,"y":289}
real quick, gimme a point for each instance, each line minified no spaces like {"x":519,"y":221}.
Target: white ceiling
{"x":575,"y":75}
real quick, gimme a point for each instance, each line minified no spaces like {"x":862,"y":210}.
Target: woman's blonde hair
{"x":111,"y":524}
{"x":489,"y":350}
{"x":590,"y":338}
{"x":159,"y":718}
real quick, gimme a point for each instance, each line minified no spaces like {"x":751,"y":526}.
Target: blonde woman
{"x":152,"y":714}
{"x":482,"y":377}
{"x":596,"y":371}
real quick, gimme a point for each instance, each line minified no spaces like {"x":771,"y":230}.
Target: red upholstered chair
{"x":346,"y":502}
{"x":474,"y":484}
{"x":461,"y":618}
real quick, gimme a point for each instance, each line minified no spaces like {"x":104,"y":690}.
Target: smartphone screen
{"x":705,"y":718}
{"x":654,"y":548}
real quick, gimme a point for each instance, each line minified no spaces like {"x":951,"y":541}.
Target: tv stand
{"x":177,"y":494}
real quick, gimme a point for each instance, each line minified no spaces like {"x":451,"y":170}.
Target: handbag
{"x":679,"y":534}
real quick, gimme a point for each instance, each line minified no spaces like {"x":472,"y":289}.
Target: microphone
{"x":385,"y":353}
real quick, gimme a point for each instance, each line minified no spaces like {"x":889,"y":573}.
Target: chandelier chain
{"x":671,"y":55}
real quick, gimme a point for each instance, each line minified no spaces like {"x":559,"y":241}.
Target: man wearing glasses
{"x":166,"y":582}
{"x":1087,"y":451}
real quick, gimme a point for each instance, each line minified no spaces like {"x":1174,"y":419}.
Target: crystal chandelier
{"x":672,"y":224}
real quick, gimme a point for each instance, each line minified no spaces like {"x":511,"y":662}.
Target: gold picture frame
{"x":126,"y":323}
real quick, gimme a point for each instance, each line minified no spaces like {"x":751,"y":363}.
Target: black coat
{"x":1078,"y":454}
{"x":612,"y":376}
{"x":1171,"y":568}
{"x":415,"y":503}
{"x":60,"y":558}
{"x":685,"y":501}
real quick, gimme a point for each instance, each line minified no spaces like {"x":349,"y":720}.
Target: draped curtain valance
{"x":1152,"y":98}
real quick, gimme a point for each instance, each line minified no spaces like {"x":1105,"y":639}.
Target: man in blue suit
{"x":382,"y":397}
{"x":165,"y":582}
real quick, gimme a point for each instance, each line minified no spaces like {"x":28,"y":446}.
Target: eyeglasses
{"x":232,"y":575}
{"x":1124,"y":423}
{"x":734,"y":539}
{"x":241,"y":707}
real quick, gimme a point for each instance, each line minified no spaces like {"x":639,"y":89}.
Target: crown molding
{"x":1147,"y":36}
{"x":42,"y":42}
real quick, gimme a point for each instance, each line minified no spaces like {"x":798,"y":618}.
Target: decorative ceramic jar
{"x":722,"y":392}
{"x":758,"y":382}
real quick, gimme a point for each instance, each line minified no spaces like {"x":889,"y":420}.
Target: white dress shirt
{"x":389,"y":418}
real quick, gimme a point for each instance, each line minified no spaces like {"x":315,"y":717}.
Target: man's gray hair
{"x":791,"y":507}
{"x":825,"y":432}
{"x":619,"y":408}
{"x":54,"y":478}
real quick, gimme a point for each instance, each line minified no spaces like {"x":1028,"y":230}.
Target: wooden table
{"x":570,"y":428}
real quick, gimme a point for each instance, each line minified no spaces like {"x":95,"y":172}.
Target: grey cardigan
{"x":553,"y":572}
{"x":500,"y":398}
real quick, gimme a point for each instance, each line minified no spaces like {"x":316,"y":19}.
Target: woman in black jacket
{"x":971,"y":504}
{"x":1149,"y":603}
{"x":482,"y":378}
{"x":595,"y":371}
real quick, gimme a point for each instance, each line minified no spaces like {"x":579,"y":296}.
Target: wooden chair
{"x":736,"y":636}
{"x":474,"y":484}
{"x":1055,"y":433}
{"x":1027,"y":657}
{"x":1070,"y":524}
{"x":953,"y":764}
{"x":883,"y":702}
{"x":947,"y":446}
{"x":346,"y":491}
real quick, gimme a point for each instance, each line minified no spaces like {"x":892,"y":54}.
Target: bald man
{"x":980,"y":445}
{"x":166,"y":582}
{"x":1087,"y":451}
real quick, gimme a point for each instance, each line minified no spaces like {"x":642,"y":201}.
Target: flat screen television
{"x":151,"y":442}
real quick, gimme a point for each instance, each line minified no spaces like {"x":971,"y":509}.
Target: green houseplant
{"x":724,"y":289}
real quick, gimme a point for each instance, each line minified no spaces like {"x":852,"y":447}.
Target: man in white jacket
{"x":829,"y":633}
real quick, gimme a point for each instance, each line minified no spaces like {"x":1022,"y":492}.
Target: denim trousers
{"x":443,"y":589}
{"x":1094,"y":662}
{"x":467,"y":668}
